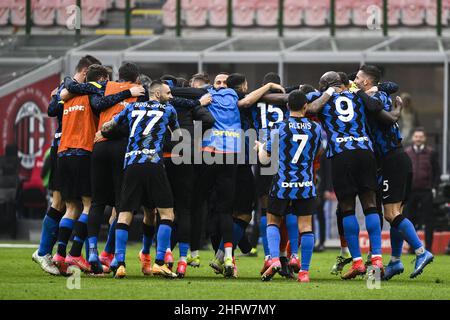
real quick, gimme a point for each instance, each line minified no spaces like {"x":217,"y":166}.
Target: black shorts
{"x":145,"y":184}
{"x":299,"y":207}
{"x":75,"y":173}
{"x":263,"y":182}
{"x":54,"y":179}
{"x":354,"y":172}
{"x":396,"y":169}
{"x":245,"y":190}
{"x":107,"y":171}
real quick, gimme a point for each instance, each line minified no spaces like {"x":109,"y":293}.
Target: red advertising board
{"x":24,"y":121}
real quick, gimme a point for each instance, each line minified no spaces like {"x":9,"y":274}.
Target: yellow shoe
{"x":163,"y":271}
{"x":193,"y":262}
{"x":146,"y":263}
{"x":120,"y":273}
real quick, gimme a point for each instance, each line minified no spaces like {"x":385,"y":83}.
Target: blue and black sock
{"x":121,"y":242}
{"x":307,"y":247}
{"x":273,"y":239}
{"x":263,"y":232}
{"x":407,"y":230}
{"x":148,"y":232}
{"x":163,"y":240}
{"x":351,"y":233}
{"x":111,"y":240}
{"x":64,"y":233}
{"x":292,"y":228}
{"x":49,"y":232}
{"x":80,"y":235}
{"x":373,"y":227}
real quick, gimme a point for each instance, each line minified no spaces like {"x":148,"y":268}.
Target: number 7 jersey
{"x":148,"y":123}
{"x":299,"y":140}
{"x":344,"y":120}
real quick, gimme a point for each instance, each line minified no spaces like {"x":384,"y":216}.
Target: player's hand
{"x":399,"y":103}
{"x":54,"y":92}
{"x":137,"y":91}
{"x":276,"y":86}
{"x":372,"y":90}
{"x":258,"y":145}
{"x":66,"y":95}
{"x":205,"y":100}
{"x":98,"y":136}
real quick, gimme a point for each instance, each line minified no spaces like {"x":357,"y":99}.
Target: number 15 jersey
{"x":344,"y":121}
{"x":298,"y":142}
{"x":148,"y":123}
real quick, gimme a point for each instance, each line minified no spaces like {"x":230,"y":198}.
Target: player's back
{"x":147,"y":122}
{"x":386,"y":137}
{"x":299,"y":141}
{"x":344,"y":120}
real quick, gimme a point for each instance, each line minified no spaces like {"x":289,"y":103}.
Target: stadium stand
{"x":244,"y":13}
{"x":293,"y":12}
{"x":218,"y":13}
{"x":196,"y":12}
{"x":266,"y":13}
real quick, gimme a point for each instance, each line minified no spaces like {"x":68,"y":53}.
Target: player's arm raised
{"x":256,"y":95}
{"x":392,"y":116}
{"x":100,"y":103}
{"x":317,"y":105}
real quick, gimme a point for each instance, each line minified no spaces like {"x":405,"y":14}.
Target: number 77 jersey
{"x":147,"y":122}
{"x":298,"y":142}
{"x":344,"y":120}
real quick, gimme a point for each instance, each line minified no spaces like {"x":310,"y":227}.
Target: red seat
{"x":92,"y":12}
{"x":431,"y":12}
{"x":343,"y":12}
{"x":316,"y":12}
{"x":244,"y":12}
{"x":169,"y":10}
{"x":293,"y":10}
{"x":413,"y":12}
{"x":218,"y":13}
{"x":64,"y":11}
{"x":267,"y":13}
{"x":18,"y":13}
{"x":5,"y":7}
{"x":363,"y":10}
{"x":44,"y":12}
{"x":195,"y":12}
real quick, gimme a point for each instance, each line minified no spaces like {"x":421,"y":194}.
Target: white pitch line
{"x":20,"y":246}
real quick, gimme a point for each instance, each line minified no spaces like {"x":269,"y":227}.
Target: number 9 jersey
{"x":344,"y":121}
{"x":148,"y":123}
{"x":299,"y":140}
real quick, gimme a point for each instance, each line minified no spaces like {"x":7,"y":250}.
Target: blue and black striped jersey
{"x":148,"y":123}
{"x":385,"y":137}
{"x":299,"y":141}
{"x":344,"y":120}
{"x":55,"y":109}
{"x":265,"y":115}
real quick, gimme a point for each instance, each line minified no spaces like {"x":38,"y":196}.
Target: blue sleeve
{"x":99,"y":102}
{"x":84,"y":88}
{"x":173,"y":119}
{"x":312,"y":96}
{"x":123,"y":115}
{"x":389,"y":87}
{"x":179,"y":102}
{"x":56,"y":106}
{"x":270,"y":138}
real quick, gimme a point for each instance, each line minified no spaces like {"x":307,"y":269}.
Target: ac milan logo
{"x":30,"y":133}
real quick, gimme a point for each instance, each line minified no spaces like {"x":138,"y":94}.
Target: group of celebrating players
{"x":180,"y":152}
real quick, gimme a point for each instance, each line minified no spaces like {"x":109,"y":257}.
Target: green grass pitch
{"x":20,"y":278}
